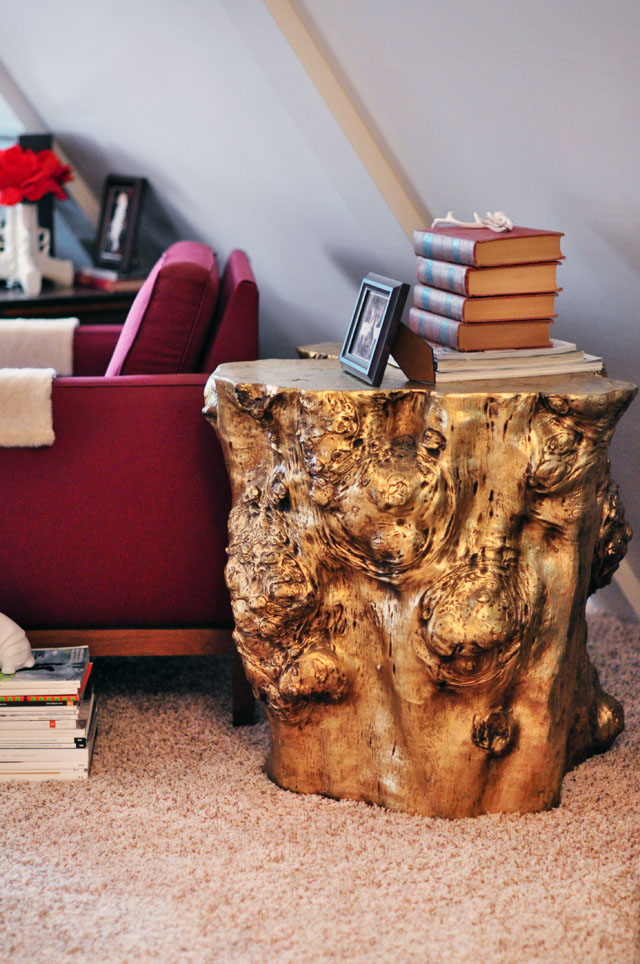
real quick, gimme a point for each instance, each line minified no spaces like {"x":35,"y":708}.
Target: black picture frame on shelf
{"x":119,"y":217}
{"x":373,"y":325}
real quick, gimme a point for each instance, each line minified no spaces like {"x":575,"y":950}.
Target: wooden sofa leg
{"x":244,"y":704}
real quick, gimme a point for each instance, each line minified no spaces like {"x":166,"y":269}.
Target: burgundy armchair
{"x":115,"y":535}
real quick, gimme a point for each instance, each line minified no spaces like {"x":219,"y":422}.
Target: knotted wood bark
{"x":409,"y":568}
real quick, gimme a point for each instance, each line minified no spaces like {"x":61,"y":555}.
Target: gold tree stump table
{"x":409,"y":567}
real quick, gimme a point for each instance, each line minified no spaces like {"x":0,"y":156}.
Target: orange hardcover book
{"x":483,"y":336}
{"x":499,"y":308}
{"x":511,"y":279}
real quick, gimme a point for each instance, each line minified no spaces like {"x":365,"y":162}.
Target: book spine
{"x":41,"y":698}
{"x":42,"y":729}
{"x":39,"y":776}
{"x":35,"y":742}
{"x":439,"y":302}
{"x":436,"y":328}
{"x":444,"y":247}
{"x":90,"y":281}
{"x":52,"y":754}
{"x":443,"y":274}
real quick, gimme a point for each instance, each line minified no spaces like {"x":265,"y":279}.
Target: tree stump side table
{"x":409,"y":567}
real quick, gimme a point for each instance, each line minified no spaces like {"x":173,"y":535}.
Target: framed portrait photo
{"x":374,"y":322}
{"x":119,"y":216}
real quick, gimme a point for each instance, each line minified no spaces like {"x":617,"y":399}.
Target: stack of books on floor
{"x":484,"y":304}
{"x":48,"y":718}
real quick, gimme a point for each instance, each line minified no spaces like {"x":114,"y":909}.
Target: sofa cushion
{"x":234,"y":333}
{"x":167,"y":323}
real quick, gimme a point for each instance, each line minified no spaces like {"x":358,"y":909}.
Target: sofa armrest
{"x":122,"y":521}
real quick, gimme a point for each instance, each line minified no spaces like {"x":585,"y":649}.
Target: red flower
{"x":27,"y":175}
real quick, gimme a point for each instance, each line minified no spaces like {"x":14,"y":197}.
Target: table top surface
{"x":53,"y":294}
{"x":304,"y":374}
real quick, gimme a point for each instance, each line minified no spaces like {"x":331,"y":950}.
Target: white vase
{"x":24,"y":251}
{"x":19,"y":238}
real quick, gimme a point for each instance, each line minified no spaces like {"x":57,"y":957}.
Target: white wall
{"x":527,"y":107}
{"x":143,"y":88}
{"x":8,"y":120}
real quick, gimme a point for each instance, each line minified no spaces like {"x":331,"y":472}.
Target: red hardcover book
{"x":480,"y":247}
{"x":105,"y":280}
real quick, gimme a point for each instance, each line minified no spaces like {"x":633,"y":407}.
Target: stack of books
{"x":484,"y":305}
{"x":48,"y":718}
{"x":483,"y":290}
{"x":430,"y":362}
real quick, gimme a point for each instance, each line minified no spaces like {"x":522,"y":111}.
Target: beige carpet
{"x":179,"y":849}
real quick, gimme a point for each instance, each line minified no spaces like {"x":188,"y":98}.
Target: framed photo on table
{"x":121,"y":202}
{"x":374,"y":322}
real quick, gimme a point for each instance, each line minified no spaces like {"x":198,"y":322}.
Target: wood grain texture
{"x":137,"y":642}
{"x":409,"y":568}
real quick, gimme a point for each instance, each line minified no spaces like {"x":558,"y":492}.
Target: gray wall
{"x":526,"y":107}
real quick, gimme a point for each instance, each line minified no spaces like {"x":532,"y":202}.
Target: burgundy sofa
{"x":116,"y":534}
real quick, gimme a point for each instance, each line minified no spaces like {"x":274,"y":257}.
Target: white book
{"x":446,"y":358}
{"x":590,"y":363}
{"x":78,"y":755}
{"x":46,"y":766}
{"x":444,"y":363}
{"x":13,"y":723}
{"x":39,"y":776}
{"x":558,"y":347}
{"x":36,"y":742}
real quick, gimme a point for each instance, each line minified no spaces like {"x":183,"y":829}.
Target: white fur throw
{"x":26,"y":417}
{"x":38,"y":343}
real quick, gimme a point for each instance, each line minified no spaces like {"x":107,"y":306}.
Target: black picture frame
{"x":119,"y":217}
{"x":374,"y":322}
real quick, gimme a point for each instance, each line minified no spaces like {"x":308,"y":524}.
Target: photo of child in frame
{"x":369,"y":327}
{"x":119,"y":203}
{"x":116,"y":237}
{"x":373,"y":325}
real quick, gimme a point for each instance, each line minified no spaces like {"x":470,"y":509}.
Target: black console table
{"x":91,"y":306}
